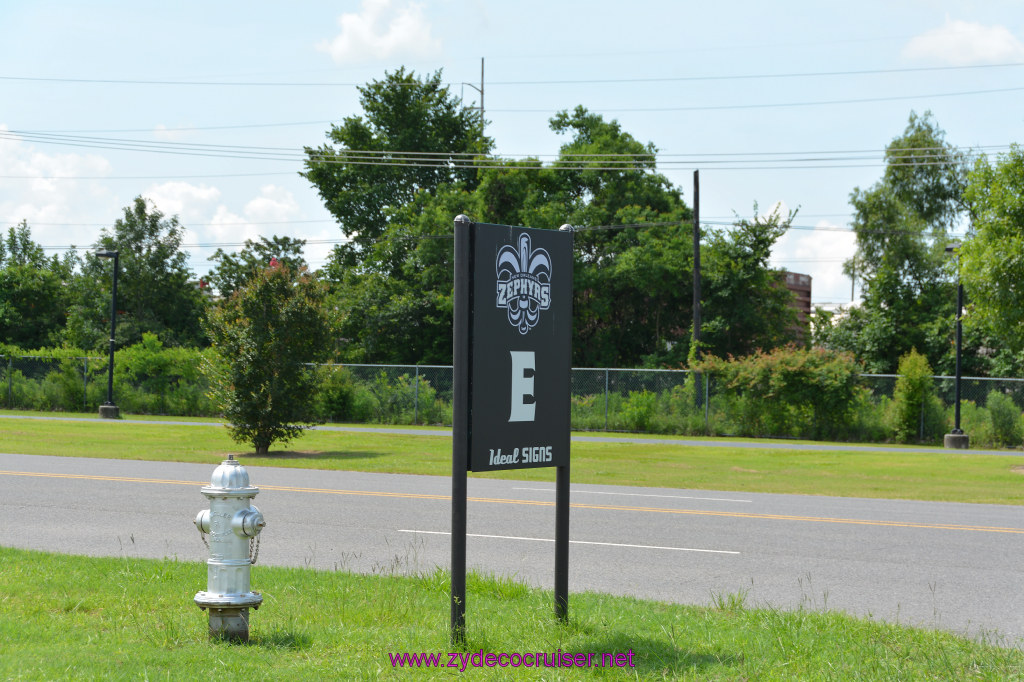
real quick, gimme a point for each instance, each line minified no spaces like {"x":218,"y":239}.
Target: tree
{"x":992,"y":257}
{"x":633,"y":287}
{"x":33,"y":296}
{"x":414,"y":135}
{"x":234,"y":270}
{"x":747,"y":307}
{"x":262,"y":336}
{"x":392,"y":286}
{"x":154,"y":290}
{"x":396,"y":305}
{"x":902,"y":224}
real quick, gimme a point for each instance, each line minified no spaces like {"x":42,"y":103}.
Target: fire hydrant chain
{"x":253,"y":556}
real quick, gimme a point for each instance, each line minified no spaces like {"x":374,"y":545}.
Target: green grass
{"x":941,"y":475}
{"x":64,"y":617}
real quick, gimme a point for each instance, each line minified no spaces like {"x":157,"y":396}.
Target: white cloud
{"x":962,"y":43}
{"x":189,"y":202}
{"x":170,"y":134}
{"x":38,"y":190}
{"x":272,"y":205}
{"x":382,"y":29}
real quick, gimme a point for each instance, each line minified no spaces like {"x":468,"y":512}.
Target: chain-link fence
{"x":386,"y":394}
{"x":77,"y":384}
{"x":602,"y":399}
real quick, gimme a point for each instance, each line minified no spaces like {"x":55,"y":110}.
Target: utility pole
{"x":696,"y":257}
{"x":698,"y":383}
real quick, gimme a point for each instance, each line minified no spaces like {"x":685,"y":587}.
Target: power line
{"x":344,"y":154}
{"x":594,"y":81}
{"x":774,"y":105}
{"x":185,"y":129}
{"x":454,"y":161}
{"x":757,"y":76}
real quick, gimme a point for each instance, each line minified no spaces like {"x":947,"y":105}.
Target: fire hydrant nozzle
{"x":233,"y":523}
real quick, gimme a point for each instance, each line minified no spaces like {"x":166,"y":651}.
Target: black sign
{"x":511,"y":340}
{"x":520,"y":331}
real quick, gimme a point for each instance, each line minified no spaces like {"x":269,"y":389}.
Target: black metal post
{"x":113,"y":330}
{"x":108,"y":409}
{"x":562,"y":500}
{"x":959,"y":343}
{"x":562,"y":543}
{"x":957,"y":438}
{"x":696,"y":257}
{"x":698,"y":379}
{"x":460,"y":423}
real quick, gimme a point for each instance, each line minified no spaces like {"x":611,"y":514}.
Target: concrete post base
{"x":956,"y":441}
{"x":230,"y":624}
{"x":110,"y":412}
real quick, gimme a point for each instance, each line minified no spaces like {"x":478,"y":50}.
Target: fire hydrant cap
{"x":230,"y":475}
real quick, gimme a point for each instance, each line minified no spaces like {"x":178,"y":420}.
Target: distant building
{"x":800,"y":285}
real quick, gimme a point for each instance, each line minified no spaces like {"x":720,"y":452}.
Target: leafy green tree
{"x":745,"y":305}
{"x":233,"y":270}
{"x":392,"y":285}
{"x":262,"y":336}
{"x":413,"y":134}
{"x":633,"y":287}
{"x":902,"y":224}
{"x":155,"y":288}
{"x":396,"y":306}
{"x":33,"y":296}
{"x":992,"y":257}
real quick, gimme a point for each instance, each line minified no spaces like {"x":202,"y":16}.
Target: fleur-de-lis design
{"x":524,"y":283}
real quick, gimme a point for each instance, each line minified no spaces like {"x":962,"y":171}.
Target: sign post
{"x":512,"y":357}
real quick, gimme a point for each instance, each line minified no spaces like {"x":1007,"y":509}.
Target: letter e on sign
{"x":524,"y":406}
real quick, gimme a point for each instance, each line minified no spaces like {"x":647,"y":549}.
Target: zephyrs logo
{"x":524,"y":283}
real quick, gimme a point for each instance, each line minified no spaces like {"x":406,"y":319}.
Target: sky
{"x":785,"y":105}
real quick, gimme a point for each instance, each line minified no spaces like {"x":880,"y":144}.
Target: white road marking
{"x":571,"y":542}
{"x":673,"y":497}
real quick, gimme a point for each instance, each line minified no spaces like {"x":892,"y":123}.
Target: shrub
{"x":975,"y":422}
{"x":916,"y":412}
{"x":343,"y":399}
{"x":1005,"y":419}
{"x":791,"y":391}
{"x":639,"y":409}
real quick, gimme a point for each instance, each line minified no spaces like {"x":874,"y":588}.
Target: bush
{"x":343,"y":399}
{"x":639,"y":409}
{"x":916,"y":412}
{"x":791,"y":391}
{"x":152,"y":379}
{"x":1005,"y":419}
{"x":976,"y":422}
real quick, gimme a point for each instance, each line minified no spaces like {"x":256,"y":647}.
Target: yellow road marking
{"x":541,"y":503}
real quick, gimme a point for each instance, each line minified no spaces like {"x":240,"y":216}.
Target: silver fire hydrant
{"x":234,"y":525}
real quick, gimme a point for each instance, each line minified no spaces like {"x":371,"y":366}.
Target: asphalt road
{"x":941,"y":565}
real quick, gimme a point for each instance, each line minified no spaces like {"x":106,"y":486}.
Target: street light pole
{"x":109,"y":410}
{"x":959,"y":344}
{"x":957,"y":439}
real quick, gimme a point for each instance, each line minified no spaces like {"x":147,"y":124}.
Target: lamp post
{"x":109,"y":410}
{"x":957,"y":439}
